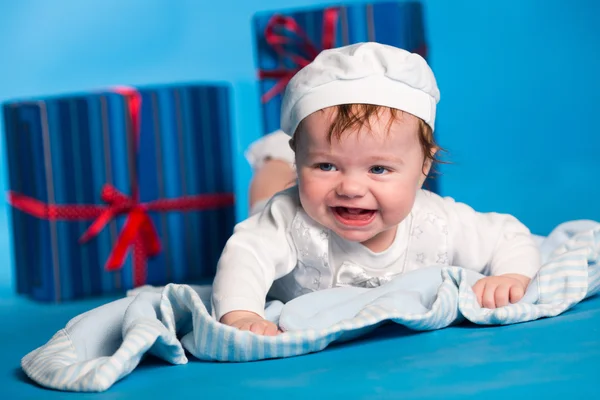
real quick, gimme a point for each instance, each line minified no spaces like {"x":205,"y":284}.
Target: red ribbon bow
{"x":138,"y":231}
{"x":278,"y":39}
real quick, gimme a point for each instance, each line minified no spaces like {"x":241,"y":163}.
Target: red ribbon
{"x":288,"y":46}
{"x":138,"y":231}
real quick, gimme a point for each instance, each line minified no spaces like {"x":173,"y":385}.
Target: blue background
{"x":518,"y":80}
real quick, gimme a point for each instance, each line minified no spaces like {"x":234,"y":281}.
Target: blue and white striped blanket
{"x":103,"y":345}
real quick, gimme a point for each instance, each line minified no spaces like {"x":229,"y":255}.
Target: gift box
{"x":286,"y":41}
{"x":115,"y":189}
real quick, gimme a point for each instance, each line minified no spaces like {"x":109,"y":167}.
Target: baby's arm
{"x":259,"y":252}
{"x":499,"y":246}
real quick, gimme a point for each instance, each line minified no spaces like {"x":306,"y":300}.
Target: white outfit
{"x":283,"y":252}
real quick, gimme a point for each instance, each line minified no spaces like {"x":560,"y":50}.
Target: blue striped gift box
{"x":398,"y":24}
{"x":62,"y":150}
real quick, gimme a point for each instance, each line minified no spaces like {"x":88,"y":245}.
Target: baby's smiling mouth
{"x":353,"y":216}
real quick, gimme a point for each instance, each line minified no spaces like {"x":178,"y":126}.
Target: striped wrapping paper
{"x":62,"y":150}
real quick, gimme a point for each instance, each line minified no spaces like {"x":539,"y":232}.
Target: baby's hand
{"x":249,"y":321}
{"x":498,"y":291}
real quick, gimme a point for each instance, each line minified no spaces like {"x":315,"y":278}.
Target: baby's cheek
{"x":311,"y":185}
{"x":309,"y":193}
{"x":400,"y":201}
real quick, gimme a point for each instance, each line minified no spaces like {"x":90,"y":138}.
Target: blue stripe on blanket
{"x":165,"y":321}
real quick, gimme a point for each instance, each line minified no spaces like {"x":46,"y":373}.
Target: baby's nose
{"x":350,"y":187}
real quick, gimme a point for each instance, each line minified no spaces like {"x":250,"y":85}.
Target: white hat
{"x":362,"y":73}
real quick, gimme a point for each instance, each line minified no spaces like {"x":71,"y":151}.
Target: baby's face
{"x":363,"y":185}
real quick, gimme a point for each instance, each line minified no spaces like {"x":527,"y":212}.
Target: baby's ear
{"x":427,"y":166}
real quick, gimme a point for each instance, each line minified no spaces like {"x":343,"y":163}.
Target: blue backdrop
{"x":519,"y":83}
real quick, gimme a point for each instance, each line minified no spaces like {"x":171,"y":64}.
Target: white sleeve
{"x":259,"y":252}
{"x":491,"y":243}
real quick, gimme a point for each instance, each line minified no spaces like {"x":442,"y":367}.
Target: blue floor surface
{"x":552,"y":358}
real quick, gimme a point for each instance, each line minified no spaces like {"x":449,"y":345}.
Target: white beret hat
{"x":362,"y":73}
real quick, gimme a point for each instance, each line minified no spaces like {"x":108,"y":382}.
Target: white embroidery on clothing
{"x":324,"y":258}
{"x":431,"y":217}
{"x":312,"y":271}
{"x":417,"y":231}
{"x":442,"y":258}
{"x":324,"y":234}
{"x":303,"y":230}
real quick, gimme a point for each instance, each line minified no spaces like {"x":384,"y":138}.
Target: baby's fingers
{"x":478,"y":289}
{"x":257,"y":327}
{"x":271,"y":329}
{"x":264,"y":328}
{"x":516,"y":293}
{"x":244,"y":326}
{"x":488,"y":299}
{"x":501,"y":296}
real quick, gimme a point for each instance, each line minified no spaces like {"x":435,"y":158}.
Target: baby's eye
{"x":378,"y":170}
{"x":326,"y":167}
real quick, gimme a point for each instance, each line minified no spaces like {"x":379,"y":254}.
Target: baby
{"x":361,"y":120}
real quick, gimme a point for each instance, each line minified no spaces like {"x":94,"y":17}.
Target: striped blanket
{"x":103,"y":345}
